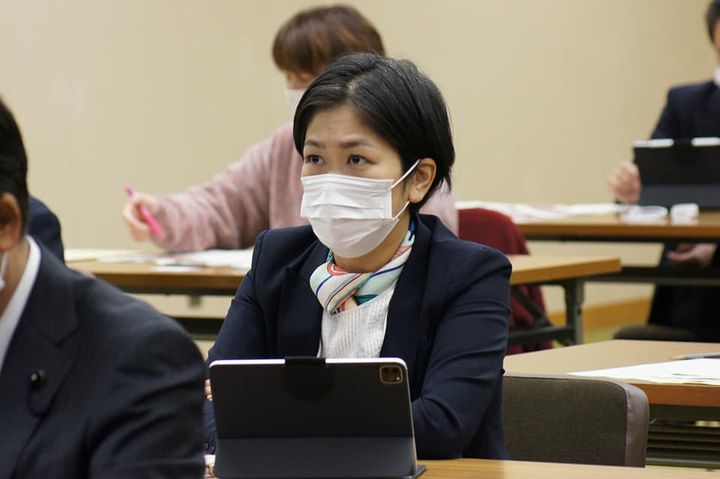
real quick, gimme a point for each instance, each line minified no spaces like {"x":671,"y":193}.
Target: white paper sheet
{"x":76,"y":255}
{"x":218,"y":258}
{"x":695,"y":371}
{"x":527,"y":213}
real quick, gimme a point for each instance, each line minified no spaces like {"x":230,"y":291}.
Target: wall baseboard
{"x":620,"y":313}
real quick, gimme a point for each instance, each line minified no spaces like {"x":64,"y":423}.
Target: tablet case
{"x":313,"y":418}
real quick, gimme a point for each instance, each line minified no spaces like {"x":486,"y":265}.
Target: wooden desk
{"x":547,"y":269}
{"x":144,"y":278}
{"x":619,"y":353}
{"x":569,"y":273}
{"x":491,"y":469}
{"x":485,"y":469}
{"x":610,"y":228}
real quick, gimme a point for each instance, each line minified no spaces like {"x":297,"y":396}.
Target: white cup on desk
{"x":684,"y":213}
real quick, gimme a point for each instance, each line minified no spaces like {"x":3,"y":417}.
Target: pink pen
{"x":152,"y":223}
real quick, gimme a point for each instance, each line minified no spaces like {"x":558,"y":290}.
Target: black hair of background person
{"x":395,"y":100}
{"x":94,"y":383}
{"x":712,"y":15}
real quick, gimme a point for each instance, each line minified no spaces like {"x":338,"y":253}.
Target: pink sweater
{"x":260,"y":191}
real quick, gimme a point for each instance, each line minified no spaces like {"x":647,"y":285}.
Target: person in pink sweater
{"x":263,"y":190}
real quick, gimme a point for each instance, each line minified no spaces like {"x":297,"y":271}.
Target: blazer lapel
{"x":404,"y":323}
{"x":299,"y":312}
{"x":35,"y":365}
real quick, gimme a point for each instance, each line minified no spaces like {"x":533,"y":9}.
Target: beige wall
{"x":545,"y":96}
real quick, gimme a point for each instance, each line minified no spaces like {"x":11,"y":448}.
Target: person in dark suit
{"x":44,"y":226}
{"x":93,"y":383}
{"x":370,"y":277}
{"x":681,"y":313}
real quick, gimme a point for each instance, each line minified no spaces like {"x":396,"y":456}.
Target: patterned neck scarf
{"x":337,"y":290}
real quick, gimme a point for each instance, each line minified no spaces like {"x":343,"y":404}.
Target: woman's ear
{"x":11,"y":227}
{"x":421,"y":180}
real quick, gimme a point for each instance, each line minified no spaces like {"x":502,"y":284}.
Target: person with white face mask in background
{"x":370,"y":276}
{"x":263,"y":189}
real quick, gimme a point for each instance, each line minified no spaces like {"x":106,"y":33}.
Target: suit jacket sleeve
{"x":150,"y":422}
{"x":465,"y":363}
{"x":242,"y":336}
{"x":227,"y":212}
{"x":243,"y":332}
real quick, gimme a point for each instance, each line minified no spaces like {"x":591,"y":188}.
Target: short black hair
{"x":13,"y":161}
{"x":396,"y":100}
{"x":711,"y":18}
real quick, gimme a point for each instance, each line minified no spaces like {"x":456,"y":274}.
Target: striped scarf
{"x":337,"y":290}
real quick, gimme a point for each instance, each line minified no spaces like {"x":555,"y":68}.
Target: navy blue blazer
{"x":122,"y":387}
{"x":691,"y":111}
{"x":44,"y":226}
{"x":448,"y":320}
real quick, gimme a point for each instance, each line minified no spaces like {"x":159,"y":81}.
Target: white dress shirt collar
{"x":716,"y":77}
{"x":11,"y":317}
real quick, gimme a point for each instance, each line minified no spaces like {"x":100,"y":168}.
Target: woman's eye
{"x":356,"y":160}
{"x":313,"y":159}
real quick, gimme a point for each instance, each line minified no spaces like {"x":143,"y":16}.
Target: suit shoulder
{"x":40,"y":216}
{"x":284,"y":244}
{"x":466,"y":255}
{"x":457,"y":248}
{"x":689,"y":91}
{"x":106,"y":309}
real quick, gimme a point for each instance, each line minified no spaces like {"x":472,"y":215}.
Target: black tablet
{"x":677,"y":171}
{"x":312,"y":417}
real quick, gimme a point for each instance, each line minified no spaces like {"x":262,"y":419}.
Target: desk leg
{"x":574,"y":298}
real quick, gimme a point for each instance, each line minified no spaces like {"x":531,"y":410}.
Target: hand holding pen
{"x":139,"y":216}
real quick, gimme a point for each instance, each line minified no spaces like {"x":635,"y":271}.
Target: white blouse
{"x":357,"y":332}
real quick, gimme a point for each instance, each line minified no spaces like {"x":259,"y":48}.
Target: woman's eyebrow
{"x":347,"y":144}
{"x":314,"y":143}
{"x":355,"y":143}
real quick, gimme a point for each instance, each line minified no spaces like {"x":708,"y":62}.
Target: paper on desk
{"x":130,"y":257}
{"x":525,"y":213}
{"x":216,"y":258}
{"x":695,"y":371}
{"x":591,"y":208}
{"x":76,"y":255}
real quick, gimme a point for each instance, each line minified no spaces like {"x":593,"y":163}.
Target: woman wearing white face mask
{"x":370,"y":277}
{"x":263,"y":189}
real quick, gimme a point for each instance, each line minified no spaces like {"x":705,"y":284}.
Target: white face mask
{"x":3,"y":268}
{"x":293,"y":100}
{"x":350,"y":215}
